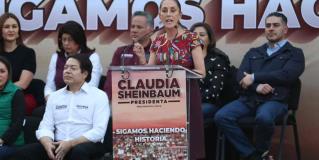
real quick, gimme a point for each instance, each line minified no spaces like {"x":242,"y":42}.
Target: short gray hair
{"x":147,"y":15}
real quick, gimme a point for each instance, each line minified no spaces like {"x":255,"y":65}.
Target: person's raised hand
{"x":138,"y":49}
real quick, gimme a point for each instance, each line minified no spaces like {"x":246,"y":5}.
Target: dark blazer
{"x":279,"y":70}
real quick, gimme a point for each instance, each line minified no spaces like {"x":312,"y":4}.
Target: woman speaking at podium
{"x":177,"y":46}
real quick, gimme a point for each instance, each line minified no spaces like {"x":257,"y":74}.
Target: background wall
{"x":235,"y":41}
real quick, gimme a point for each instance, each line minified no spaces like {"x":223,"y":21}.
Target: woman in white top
{"x":71,"y":40}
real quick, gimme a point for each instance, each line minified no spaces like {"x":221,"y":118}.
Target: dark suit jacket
{"x":279,"y":70}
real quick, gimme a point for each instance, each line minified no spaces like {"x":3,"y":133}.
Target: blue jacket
{"x":279,"y":70}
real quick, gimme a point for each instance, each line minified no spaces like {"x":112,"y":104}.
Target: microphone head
{"x":148,"y":35}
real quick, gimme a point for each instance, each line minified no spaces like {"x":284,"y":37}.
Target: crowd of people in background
{"x":76,"y":113}
{"x":175,"y":147}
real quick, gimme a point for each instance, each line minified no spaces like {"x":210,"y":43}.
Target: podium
{"x":150,"y":111}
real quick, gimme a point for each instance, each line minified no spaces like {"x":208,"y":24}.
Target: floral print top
{"x":176,"y":51}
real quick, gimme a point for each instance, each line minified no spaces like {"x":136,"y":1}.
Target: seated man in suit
{"x":265,"y":76}
{"x":75,"y":119}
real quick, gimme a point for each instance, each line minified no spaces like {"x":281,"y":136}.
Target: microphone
{"x":140,"y":40}
{"x":148,"y":35}
{"x":123,"y":71}
{"x":168,"y":67}
{"x":123,"y":55}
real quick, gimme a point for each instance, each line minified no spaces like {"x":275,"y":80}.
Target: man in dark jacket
{"x":142,"y":24}
{"x":265,"y":76}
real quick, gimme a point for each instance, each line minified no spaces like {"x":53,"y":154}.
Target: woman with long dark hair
{"x":22,"y":59}
{"x":71,"y":41}
{"x":217,"y":66}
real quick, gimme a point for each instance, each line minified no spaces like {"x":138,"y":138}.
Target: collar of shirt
{"x":85,"y":87}
{"x":66,"y":54}
{"x":9,"y":87}
{"x":277,"y":46}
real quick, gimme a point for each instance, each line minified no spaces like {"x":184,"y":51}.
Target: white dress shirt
{"x":72,"y":115}
{"x":95,"y":76}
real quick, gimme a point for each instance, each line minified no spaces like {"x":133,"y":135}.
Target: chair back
{"x":102,"y":81}
{"x":231,"y":90}
{"x":31,"y":124}
{"x":294,"y":95}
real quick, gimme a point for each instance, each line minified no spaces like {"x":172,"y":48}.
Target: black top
{"x":22,"y":58}
{"x":15,"y":128}
{"x":217,"y":65}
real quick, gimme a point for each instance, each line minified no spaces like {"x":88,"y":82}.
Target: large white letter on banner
{"x":287,"y":9}
{"x":195,"y":12}
{"x":140,"y":6}
{"x":309,"y":14}
{"x":247,"y":9}
{"x":2,"y":6}
{"x":37,"y":14}
{"x":96,"y":10}
{"x":58,"y":17}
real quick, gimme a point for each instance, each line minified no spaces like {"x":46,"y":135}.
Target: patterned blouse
{"x":217,"y":66}
{"x":176,"y":51}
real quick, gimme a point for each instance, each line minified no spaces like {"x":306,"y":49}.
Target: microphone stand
{"x":125,"y":74}
{"x":148,"y":35}
{"x":168,"y":67}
